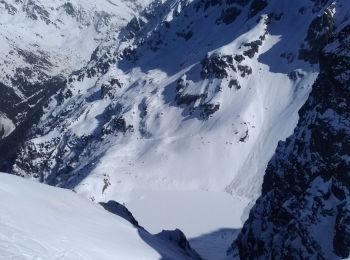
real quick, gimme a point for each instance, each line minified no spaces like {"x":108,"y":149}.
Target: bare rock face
{"x":257,"y":6}
{"x":320,"y":33}
{"x":217,"y":66}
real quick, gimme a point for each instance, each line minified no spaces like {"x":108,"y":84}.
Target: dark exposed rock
{"x":320,"y":33}
{"x":229,"y":15}
{"x":68,"y":7}
{"x":135,"y":26}
{"x":201,"y":109}
{"x":274,"y":16}
{"x":295,"y":75}
{"x":217,"y":66}
{"x":245,"y":137}
{"x":257,"y":6}
{"x":118,"y":125}
{"x":63,"y":95}
{"x":10,"y":8}
{"x":120,"y":210}
{"x":108,"y":89}
{"x":116,"y":81}
{"x":254,"y":46}
{"x":341,"y":242}
{"x":245,"y":70}
{"x":186,"y":99}
{"x":129,"y":53}
{"x":34,"y":109}
{"x":234,"y":83}
{"x":239,"y":58}
{"x":36,"y":12}
{"x":208,"y":110}
{"x":183,"y":98}
{"x":178,"y":238}
{"x":175,"y":237}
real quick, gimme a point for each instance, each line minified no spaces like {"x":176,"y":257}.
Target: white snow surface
{"x":194,"y":212}
{"x":202,"y":159}
{"x":6,"y":126}
{"x":47,"y":223}
{"x":189,"y":154}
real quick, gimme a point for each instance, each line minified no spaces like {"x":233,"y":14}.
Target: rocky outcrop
{"x":178,"y":239}
{"x":217,"y":66}
{"x":257,"y":6}
{"x":320,"y":33}
{"x":120,"y":210}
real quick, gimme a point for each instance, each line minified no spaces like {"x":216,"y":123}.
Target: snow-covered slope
{"x":6,"y":126}
{"x":62,"y":33}
{"x":190,"y":95}
{"x":42,"y":222}
{"x":41,"y":43}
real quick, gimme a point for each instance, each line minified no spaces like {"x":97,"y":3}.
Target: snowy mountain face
{"x":174,"y":101}
{"x":188,"y":99}
{"x":41,"y":43}
{"x":304,"y":210}
{"x":189,"y":95}
{"x":42,"y":222}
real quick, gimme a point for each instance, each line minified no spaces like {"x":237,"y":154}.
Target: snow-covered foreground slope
{"x":43,"y":222}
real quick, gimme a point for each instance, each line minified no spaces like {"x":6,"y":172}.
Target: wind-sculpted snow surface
{"x":304,"y":210}
{"x":42,"y":222}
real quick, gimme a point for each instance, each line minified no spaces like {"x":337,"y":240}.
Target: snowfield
{"x":194,"y":212}
{"x":6,"y":126}
{"x":46,"y":223}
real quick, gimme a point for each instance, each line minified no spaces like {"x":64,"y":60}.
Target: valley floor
{"x":210,"y":220}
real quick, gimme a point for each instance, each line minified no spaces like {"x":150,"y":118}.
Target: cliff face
{"x":304,"y":209}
